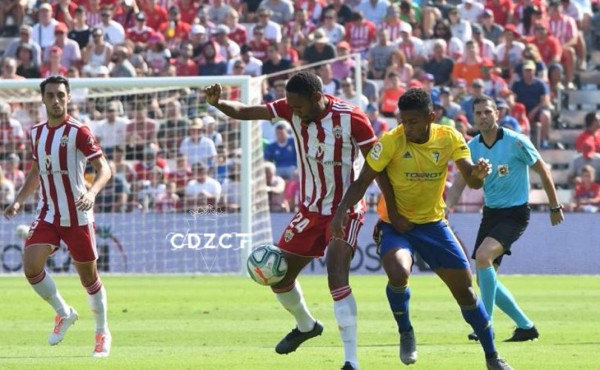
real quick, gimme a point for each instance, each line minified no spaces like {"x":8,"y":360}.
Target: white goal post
{"x":137,"y":236}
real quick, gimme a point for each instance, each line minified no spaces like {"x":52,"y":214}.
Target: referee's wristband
{"x":558,"y":208}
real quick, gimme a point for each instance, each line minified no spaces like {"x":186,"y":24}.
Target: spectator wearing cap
{"x":174,"y":29}
{"x":198,"y":39}
{"x":140,"y":33}
{"x":71,"y":54}
{"x":282,"y":151}
{"x":24,"y":38}
{"x":379,"y":55}
{"x":343,"y":68}
{"x":374,"y":10}
{"x":275,"y":63}
{"x":113,"y":31}
{"x":591,"y":132}
{"x":237,"y":32}
{"x":271,"y":29}
{"x":26,"y":66}
{"x":54,"y":65}
{"x":535,"y":96}
{"x":281,"y":11}
{"x":531,"y":53}
{"x":210,"y":126}
{"x":121,"y":66}
{"x":491,"y":29}
{"x":379,"y":124}
{"x":412,"y":46}
{"x":320,"y":49}
{"x":43,"y":31}
{"x":343,"y":11}
{"x":360,"y":33}
{"x":505,"y":119}
{"x":335,"y":31}
{"x":173,"y":130}
{"x":439,"y":65}
{"x":467,"y":103}
{"x":486,"y":47}
{"x":508,"y":53}
{"x":470,"y":10}
{"x":492,"y":83}
{"x":452,"y":109}
{"x":111,"y":132}
{"x":217,"y":11}
{"x":298,"y":29}
{"x":156,"y":14}
{"x":469,"y":68}
{"x":588,"y":156}
{"x":12,"y":135}
{"x":229,"y":48}
{"x":460,"y":28}
{"x":80,"y":32}
{"x":349,"y":94}
{"x":428,"y":84}
{"x":98,"y":52}
{"x":196,"y":146}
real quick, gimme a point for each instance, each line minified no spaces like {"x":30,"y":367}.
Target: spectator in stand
{"x":439,"y":65}
{"x":98,"y":52}
{"x":342,"y":10}
{"x":590,"y":132}
{"x":298,"y":30}
{"x":126,"y":14}
{"x":210,"y":123}
{"x":392,"y":22}
{"x":114,"y":195}
{"x":534,"y":94}
{"x":198,"y":40}
{"x":93,"y":11}
{"x":440,"y":116}
{"x":454,"y":48}
{"x":122,"y":67}
{"x":229,"y":48}
{"x":275,"y":63}
{"x":532,"y":53}
{"x":189,"y":9}
{"x":282,"y":152}
{"x":344,"y":67}
{"x":80,"y":32}
{"x":141,"y":132}
{"x":552,"y":53}
{"x":379,"y":55}
{"x":181,"y":175}
{"x":451,"y":108}
{"x":111,"y":132}
{"x":360,"y":33}
{"x":12,"y":170}
{"x":374,"y":10}
{"x":12,"y":136}
{"x":350,"y":95}
{"x":157,"y":55}
{"x":587,"y":192}
{"x":467,"y":103}
{"x":43,"y":31}
{"x":330,"y":85}
{"x":505,"y":119}
{"x":508,"y":53}
{"x":588,"y":156}
{"x":411,"y":14}
{"x":319,"y":50}
{"x":292,"y":192}
{"x":412,"y":46}
{"x":237,"y":32}
{"x":470,"y":11}
{"x":123,"y":167}
{"x":151,"y":189}
{"x":460,"y":28}
{"x":469,"y":68}
{"x":391,"y":91}
{"x":54,"y":66}
{"x":380,"y":125}
{"x":113,"y":31}
{"x":140,"y":33}
{"x":564,"y":28}
{"x":493,"y":84}
{"x":281,"y":11}
{"x":486,"y":47}
{"x":203,"y":20}
{"x":231,"y":195}
{"x":532,"y":15}
{"x":212,"y":62}
{"x":155,"y":14}
{"x":259,"y":45}
{"x":516,"y":110}
{"x":16,"y":10}
{"x":272,"y":30}
{"x":198,"y":148}
{"x":491,"y":30}
{"x":314,"y":9}
{"x":202,"y":190}
{"x":149,"y":160}
{"x":217,"y":11}
{"x":185,"y":64}
{"x":26,"y":66}
{"x":173,"y":130}
{"x":174,"y":29}
{"x":428,"y":84}
{"x":7,"y":190}
{"x":335,"y":31}
{"x":24,"y":39}
{"x":169,"y":201}
{"x":71,"y":55}
{"x":275,"y":189}
{"x":287,"y":52}
{"x":252,"y":66}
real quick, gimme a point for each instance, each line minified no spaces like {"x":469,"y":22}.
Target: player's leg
{"x":42,"y":241}
{"x":339,"y":255}
{"x":396,"y":256}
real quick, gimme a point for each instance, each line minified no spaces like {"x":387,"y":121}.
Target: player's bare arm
{"x":103,"y":174}
{"x":454,"y":193}
{"x":556,"y":213}
{"x":31,"y":184}
{"x":474,"y":174}
{"x":235,"y":109}
{"x":399,"y":222}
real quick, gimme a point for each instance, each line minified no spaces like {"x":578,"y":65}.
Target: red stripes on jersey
{"x":563,"y":28}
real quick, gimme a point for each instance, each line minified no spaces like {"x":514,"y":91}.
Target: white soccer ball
{"x":22,"y":231}
{"x":267,"y":265}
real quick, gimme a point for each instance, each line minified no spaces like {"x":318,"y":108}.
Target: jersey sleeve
{"x":362,"y":130}
{"x":526,"y":151}
{"x":381,"y":153}
{"x":460,"y":149}
{"x":33,"y":148}
{"x":87,"y":144}
{"x":279,"y":109}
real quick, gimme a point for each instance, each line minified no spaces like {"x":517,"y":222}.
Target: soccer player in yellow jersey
{"x":415,"y":158}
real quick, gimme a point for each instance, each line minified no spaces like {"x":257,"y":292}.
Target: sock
{"x":44,"y":286}
{"x":293,"y":301}
{"x":345,"y":314}
{"x":97,"y":302}
{"x":479,"y":320}
{"x":487,"y":286}
{"x":399,"y":298}
{"x":506,"y":302}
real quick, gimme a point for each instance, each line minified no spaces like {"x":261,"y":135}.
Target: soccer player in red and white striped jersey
{"x":61,"y":147}
{"x":330,"y":136}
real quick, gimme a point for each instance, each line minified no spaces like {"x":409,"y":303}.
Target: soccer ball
{"x":267,"y":265}
{"x":22,"y":231}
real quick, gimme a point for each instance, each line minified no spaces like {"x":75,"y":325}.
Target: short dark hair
{"x":55,"y":80}
{"x":482,"y":99}
{"x":415,"y":99}
{"x":590,"y":118}
{"x":304,"y":83}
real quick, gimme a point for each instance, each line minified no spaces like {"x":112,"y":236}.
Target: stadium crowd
{"x":169,"y":152}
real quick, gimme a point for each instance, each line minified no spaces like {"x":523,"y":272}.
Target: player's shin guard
{"x":479,"y":320}
{"x":506,"y":302}
{"x":399,"y":299}
{"x":44,"y":286}
{"x":291,"y":299}
{"x":344,"y":307}
{"x":98,"y":302}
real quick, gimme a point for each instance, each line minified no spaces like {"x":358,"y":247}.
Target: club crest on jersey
{"x":436,"y":156}
{"x":64,"y":141}
{"x":337,"y":132}
{"x":92,"y":143}
{"x":288,"y":235}
{"x":376,"y":151}
{"x":502,"y":170}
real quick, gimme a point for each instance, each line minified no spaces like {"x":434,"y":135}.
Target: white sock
{"x":293,"y":301}
{"x":97,"y":303}
{"x":44,"y":286}
{"x":345,"y":314}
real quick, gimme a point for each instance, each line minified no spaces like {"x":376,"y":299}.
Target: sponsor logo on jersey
{"x":426,"y":176}
{"x":288,"y":235}
{"x":407,"y":155}
{"x":436,"y":156}
{"x":376,"y":151}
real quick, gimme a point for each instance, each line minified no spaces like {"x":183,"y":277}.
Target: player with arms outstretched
{"x":415,"y":156}
{"x":61,"y":147}
{"x":329,"y":135}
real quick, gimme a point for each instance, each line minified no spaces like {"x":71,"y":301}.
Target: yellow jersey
{"x":417,"y":172}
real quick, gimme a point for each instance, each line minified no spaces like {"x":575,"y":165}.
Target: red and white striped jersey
{"x":563,"y":27}
{"x":329,"y":156}
{"x":61,"y":153}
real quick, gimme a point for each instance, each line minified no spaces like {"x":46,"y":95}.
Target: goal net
{"x":188,"y":190}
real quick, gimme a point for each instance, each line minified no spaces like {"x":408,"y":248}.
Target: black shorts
{"x":506,"y":225}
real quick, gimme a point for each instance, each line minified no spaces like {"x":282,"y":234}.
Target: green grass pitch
{"x":213,"y":323}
